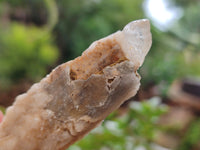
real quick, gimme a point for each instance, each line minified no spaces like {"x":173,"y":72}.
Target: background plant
{"x":25,"y":53}
{"x":37,"y":35}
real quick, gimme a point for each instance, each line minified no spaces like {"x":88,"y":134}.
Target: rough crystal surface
{"x":77,"y":95}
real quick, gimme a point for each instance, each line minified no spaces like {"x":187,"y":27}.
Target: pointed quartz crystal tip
{"x":137,"y":40}
{"x":77,"y":95}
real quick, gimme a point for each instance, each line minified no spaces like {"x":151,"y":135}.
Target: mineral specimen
{"x":77,"y":95}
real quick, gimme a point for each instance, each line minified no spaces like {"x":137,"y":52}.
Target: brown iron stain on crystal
{"x":94,"y":62}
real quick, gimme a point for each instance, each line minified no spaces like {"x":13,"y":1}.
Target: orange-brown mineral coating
{"x":93,"y":61}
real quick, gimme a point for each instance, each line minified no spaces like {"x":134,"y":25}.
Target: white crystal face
{"x":136,"y":40}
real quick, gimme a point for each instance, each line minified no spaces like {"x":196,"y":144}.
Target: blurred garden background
{"x":37,"y":35}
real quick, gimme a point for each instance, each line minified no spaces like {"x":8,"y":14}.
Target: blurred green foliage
{"x":175,"y":53}
{"x":135,"y":129}
{"x":25,"y":52}
{"x":27,"y":11}
{"x":192,"y":137}
{"x":79,"y":24}
{"x":82,"y":22}
{"x":28,"y":48}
